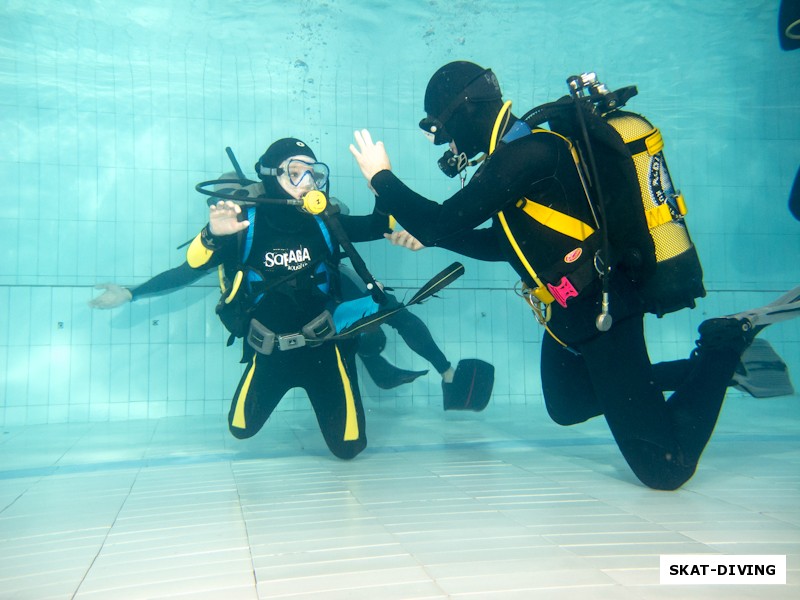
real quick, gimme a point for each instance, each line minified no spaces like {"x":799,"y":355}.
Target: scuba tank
{"x":631,"y":188}
{"x":678,"y":276}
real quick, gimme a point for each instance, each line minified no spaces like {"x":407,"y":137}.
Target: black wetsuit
{"x":167,"y":281}
{"x":611,"y":373}
{"x":292,"y":253}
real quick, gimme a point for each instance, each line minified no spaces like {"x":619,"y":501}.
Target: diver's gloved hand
{"x":113,"y":296}
{"x":370,"y":156}
{"x":404,"y":239}
{"x":223,"y":218}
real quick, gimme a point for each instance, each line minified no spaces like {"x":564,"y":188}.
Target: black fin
{"x":783,"y":308}
{"x":762,"y":373}
{"x":440,"y":281}
{"x":471,"y":387}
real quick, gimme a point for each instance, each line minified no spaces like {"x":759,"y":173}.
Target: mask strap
{"x":262,"y":170}
{"x":462,"y":97}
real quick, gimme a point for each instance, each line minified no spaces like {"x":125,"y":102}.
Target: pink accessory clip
{"x":562,"y":291}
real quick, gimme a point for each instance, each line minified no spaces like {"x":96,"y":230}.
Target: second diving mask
{"x":482,"y":88}
{"x":434,"y":130}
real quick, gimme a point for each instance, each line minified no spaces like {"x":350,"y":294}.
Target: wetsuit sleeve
{"x":480,"y":244}
{"x":208,"y":250}
{"x":503,"y":179}
{"x":167,"y":282}
{"x":365,"y":228}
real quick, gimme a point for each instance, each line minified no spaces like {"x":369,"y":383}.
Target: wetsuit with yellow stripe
{"x":292,"y":254}
{"x":607,"y":373}
{"x":535,"y":172}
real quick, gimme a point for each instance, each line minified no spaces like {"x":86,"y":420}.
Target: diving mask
{"x":434,"y":130}
{"x":300,"y":173}
{"x":483,"y":88}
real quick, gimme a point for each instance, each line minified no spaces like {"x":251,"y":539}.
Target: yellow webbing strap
{"x":557,"y":221}
{"x":653,"y":141}
{"x":541,"y":292}
{"x":661,"y":214}
{"x":351,"y":418}
{"x":197,"y":255}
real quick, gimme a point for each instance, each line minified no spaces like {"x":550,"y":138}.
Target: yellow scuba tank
{"x":663,"y":207}
{"x":677,"y":279}
{"x":644,"y":214}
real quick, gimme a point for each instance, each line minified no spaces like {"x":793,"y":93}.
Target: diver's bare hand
{"x":113,"y":296}
{"x":223,"y":218}
{"x":370,"y":156}
{"x":404,"y":239}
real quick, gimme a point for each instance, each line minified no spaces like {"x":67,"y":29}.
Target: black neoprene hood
{"x":446,"y":83}
{"x":464,"y":97}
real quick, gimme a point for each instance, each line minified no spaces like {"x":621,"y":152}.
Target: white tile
{"x":176,"y":508}
{"x":345,"y":581}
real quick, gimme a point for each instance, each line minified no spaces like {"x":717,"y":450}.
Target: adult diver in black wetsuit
{"x":585,"y":372}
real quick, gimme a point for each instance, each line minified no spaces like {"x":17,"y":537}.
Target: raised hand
{"x":370,"y":156}
{"x":223,"y":218}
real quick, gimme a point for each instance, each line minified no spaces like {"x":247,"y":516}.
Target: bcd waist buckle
{"x":263,"y":340}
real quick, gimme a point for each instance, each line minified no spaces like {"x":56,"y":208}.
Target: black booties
{"x":726,"y":333}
